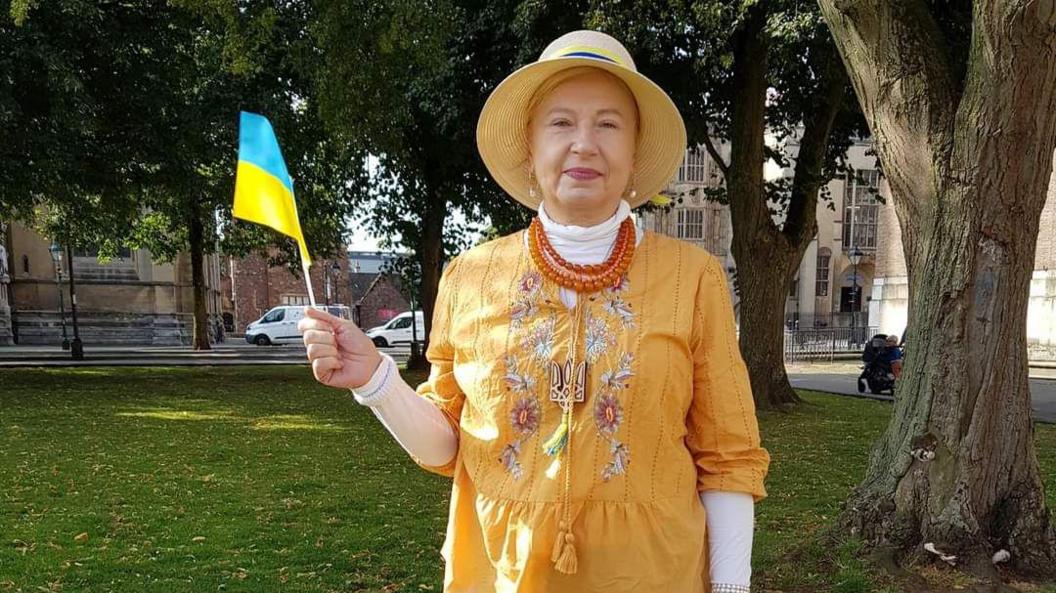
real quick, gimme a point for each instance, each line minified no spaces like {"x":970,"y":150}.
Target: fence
{"x":825,"y":343}
{"x":826,"y":320}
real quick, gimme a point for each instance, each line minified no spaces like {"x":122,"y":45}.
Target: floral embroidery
{"x":536,"y":341}
{"x":620,"y":309}
{"x":530,"y":283}
{"x":617,"y":379}
{"x":524,"y":307}
{"x":540,"y":340}
{"x":509,"y":459}
{"x":599,"y":339}
{"x":516,"y":381}
{"x":525,"y":416}
{"x":608,"y":413}
{"x":521,"y":311}
{"x":621,"y":458}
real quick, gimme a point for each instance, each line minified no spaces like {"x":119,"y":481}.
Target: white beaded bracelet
{"x":728,"y":588}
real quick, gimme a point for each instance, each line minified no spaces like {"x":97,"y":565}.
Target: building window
{"x":294,"y":299}
{"x":793,"y":289}
{"x":822,"y":285}
{"x":690,"y":224}
{"x":861,"y":209}
{"x":694,"y":167}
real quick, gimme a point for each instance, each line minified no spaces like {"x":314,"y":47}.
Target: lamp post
{"x":856,"y":258}
{"x":329,"y":276}
{"x":56,"y":259}
{"x":76,"y":347}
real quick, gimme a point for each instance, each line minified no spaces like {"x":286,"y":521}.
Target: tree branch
{"x":715,"y":156}
{"x":897,"y":59}
{"x":810,"y":162}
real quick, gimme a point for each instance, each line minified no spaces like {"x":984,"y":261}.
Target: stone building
{"x":832,"y":288}
{"x":130,"y":300}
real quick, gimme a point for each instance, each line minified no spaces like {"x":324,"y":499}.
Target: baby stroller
{"x":877,"y":374}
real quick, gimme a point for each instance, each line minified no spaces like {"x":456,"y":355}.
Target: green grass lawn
{"x":258,"y":479}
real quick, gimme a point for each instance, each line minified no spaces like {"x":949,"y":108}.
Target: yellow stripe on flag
{"x":261,"y":198}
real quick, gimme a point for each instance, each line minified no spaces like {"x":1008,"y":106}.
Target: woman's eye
{"x":610,"y":124}
{"x":561,"y":123}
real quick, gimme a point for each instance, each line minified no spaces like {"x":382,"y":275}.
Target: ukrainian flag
{"x":263,"y":188}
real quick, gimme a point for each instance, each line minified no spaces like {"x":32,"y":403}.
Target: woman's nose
{"x":584,"y":141}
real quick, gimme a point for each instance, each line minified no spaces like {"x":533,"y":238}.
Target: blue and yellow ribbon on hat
{"x":586,"y":51}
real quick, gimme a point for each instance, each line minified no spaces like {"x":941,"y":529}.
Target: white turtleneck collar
{"x":585,"y":244}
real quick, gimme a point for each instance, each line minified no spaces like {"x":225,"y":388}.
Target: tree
{"x":121,"y":121}
{"x":738,"y":71}
{"x":226,"y":59}
{"x":407,"y":80}
{"x":958,"y":96}
{"x":69,"y":150}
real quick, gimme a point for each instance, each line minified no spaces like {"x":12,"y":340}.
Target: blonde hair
{"x":558,"y":78}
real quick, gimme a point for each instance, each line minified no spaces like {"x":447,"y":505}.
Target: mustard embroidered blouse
{"x":668,"y":413}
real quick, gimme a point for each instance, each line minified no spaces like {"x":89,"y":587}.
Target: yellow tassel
{"x":558,"y":440}
{"x":559,"y":544}
{"x":567,"y":563}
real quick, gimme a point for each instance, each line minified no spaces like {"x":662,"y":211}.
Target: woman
{"x":587,"y":394}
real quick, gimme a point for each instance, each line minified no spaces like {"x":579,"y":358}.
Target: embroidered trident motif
{"x":560,"y":376}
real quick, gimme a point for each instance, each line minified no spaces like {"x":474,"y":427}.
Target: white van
{"x":279,"y":325}
{"x":397,"y":330}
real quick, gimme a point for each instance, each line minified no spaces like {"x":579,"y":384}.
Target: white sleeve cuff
{"x":414,"y":421}
{"x":374,"y":392}
{"x":731,"y":523}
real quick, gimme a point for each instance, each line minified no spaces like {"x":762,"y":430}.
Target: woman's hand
{"x":341,"y":354}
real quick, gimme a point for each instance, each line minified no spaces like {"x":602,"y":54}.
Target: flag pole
{"x":308,"y":282}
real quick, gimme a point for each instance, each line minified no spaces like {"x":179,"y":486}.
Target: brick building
{"x":252,"y":287}
{"x":376,"y":298}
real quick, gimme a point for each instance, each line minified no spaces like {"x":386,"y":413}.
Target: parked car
{"x":279,"y":325}
{"x":397,"y":330}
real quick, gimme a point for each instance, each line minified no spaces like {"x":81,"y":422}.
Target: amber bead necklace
{"x":582,"y":278}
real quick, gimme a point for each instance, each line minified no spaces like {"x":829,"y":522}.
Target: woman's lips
{"x":582,"y":174}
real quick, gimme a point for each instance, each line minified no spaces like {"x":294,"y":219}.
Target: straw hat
{"x":502,"y":128}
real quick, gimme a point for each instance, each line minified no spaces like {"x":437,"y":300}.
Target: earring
{"x":531,"y":186}
{"x":633,"y":195}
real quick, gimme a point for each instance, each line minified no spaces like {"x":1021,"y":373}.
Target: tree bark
{"x":431,"y":257}
{"x":969,"y":164}
{"x":196,"y":237}
{"x":769,"y":256}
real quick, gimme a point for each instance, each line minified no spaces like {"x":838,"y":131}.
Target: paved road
{"x":843,"y":381}
{"x":832,"y":377}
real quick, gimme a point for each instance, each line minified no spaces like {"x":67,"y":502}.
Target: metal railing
{"x":826,"y":320}
{"x":825,"y":343}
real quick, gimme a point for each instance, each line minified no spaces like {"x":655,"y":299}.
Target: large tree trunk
{"x":969,"y":164}
{"x":767,"y":256}
{"x":196,"y":237}
{"x":431,"y":257}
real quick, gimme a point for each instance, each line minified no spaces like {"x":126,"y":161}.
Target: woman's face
{"x":582,"y":137}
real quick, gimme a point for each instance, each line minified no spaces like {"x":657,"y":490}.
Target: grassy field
{"x":258,"y":479}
